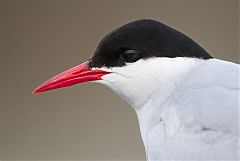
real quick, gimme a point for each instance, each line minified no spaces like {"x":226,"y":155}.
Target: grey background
{"x":40,"y":38}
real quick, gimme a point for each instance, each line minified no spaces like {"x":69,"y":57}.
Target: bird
{"x":186,"y":101}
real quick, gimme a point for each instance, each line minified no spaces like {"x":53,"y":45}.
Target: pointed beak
{"x":78,"y":74}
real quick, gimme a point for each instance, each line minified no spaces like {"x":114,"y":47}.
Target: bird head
{"x":130,"y":60}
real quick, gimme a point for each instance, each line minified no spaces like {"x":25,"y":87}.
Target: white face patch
{"x":137,"y":82}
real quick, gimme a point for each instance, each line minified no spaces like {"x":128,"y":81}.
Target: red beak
{"x":78,"y":74}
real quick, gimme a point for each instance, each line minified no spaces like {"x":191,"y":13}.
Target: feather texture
{"x":192,"y":106}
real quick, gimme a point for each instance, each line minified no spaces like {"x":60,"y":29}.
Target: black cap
{"x":142,"y":39}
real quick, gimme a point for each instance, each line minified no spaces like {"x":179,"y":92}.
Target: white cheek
{"x":133,"y":81}
{"x":137,"y":82}
{"x":119,"y":83}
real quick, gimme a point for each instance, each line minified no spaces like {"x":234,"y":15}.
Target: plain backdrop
{"x":40,"y":38}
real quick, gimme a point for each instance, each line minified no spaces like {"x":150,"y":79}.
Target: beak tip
{"x":37,"y":90}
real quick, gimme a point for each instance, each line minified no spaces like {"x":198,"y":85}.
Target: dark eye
{"x":129,"y":56}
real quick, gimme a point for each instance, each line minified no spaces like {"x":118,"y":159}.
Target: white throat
{"x":149,"y":86}
{"x":152,"y":79}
